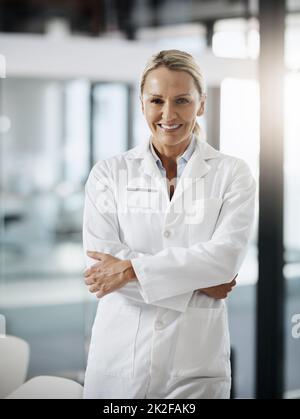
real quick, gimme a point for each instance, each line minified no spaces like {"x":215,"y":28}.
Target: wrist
{"x":129,"y":271}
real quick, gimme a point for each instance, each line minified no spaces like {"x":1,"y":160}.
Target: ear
{"x":201,"y":107}
{"x":142,"y":104}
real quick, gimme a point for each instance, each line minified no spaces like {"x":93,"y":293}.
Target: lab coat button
{"x":167,"y":233}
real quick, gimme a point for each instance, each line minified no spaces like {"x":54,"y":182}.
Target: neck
{"x":169,"y":154}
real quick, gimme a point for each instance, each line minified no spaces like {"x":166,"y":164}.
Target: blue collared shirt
{"x":181,"y":160}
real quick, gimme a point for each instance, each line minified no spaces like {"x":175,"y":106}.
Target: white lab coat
{"x":158,"y":337}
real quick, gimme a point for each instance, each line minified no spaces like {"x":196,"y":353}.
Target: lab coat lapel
{"x":149,"y":169}
{"x":147,"y":164}
{"x":194,"y":172}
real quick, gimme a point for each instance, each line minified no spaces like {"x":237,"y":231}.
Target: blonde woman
{"x":165,"y":230}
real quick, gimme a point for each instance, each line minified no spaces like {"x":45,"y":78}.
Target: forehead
{"x":162,"y":80}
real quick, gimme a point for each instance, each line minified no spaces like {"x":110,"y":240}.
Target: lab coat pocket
{"x":113,"y":341}
{"x":202,"y":347}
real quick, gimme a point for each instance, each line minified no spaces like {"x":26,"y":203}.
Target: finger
{"x":88,"y":272}
{"x":103,"y":290}
{"x":232,"y":283}
{"x":92,"y":269}
{"x":89,"y":281}
{"x":101,"y":294}
{"x":95,"y":255}
{"x":94,"y":277}
{"x":94,"y":288}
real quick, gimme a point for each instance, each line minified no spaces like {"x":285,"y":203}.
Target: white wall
{"x":100,"y":59}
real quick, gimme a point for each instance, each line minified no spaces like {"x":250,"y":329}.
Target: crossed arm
{"x":209,"y":267}
{"x":110,"y":274}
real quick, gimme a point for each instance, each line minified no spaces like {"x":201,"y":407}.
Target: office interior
{"x":69,"y":86}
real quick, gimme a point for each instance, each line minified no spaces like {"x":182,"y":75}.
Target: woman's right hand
{"x":219,"y":291}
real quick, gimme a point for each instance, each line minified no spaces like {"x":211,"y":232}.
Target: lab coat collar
{"x":196,"y":166}
{"x":193,"y":173}
{"x":182,"y":158}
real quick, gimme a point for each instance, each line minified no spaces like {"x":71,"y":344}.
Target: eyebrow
{"x":183,"y":94}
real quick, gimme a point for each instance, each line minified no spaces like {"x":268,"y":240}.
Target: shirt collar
{"x":184,"y":158}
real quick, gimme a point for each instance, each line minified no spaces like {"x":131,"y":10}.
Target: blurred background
{"x":70,"y":98}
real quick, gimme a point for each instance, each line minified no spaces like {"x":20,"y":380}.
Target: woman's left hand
{"x":108,"y":274}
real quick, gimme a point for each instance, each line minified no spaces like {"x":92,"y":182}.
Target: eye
{"x":156,"y":100}
{"x":182,"y":100}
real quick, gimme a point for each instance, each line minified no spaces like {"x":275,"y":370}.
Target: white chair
{"x":14,"y":360}
{"x":47,"y":387}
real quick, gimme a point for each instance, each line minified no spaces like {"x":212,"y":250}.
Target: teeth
{"x":170,"y":126}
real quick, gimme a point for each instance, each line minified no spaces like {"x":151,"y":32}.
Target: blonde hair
{"x":176,"y":60}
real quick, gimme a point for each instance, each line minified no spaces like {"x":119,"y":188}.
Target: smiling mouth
{"x":170,"y":128}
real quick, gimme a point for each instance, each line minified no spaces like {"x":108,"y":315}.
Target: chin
{"x":169,"y":140}
{"x":173,"y":139}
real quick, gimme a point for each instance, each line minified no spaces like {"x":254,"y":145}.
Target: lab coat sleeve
{"x":178,"y":270}
{"x":101,"y":233}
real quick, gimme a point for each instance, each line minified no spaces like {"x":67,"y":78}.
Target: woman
{"x":166,"y":226}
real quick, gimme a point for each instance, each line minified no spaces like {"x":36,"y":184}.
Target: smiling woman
{"x":172,"y":96}
{"x":162,"y":273}
{"x":186,"y":83}
{"x":171,"y":116}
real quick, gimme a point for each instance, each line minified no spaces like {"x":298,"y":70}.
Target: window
{"x":236,"y":38}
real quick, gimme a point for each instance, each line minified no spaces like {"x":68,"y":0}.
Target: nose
{"x":168,"y":111}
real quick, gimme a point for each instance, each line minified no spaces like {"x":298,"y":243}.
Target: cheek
{"x":189,"y":115}
{"x":151,"y":114}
